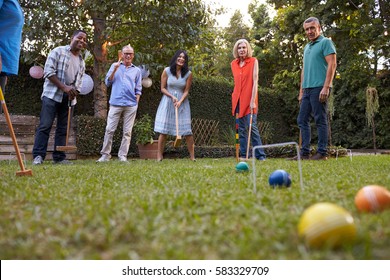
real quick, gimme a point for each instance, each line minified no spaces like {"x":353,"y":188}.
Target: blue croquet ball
{"x":242,"y":167}
{"x":279,"y":178}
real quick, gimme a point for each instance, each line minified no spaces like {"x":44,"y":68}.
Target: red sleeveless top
{"x":243,"y":83}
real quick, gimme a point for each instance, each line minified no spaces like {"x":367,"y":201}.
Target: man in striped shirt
{"x":63,"y":73}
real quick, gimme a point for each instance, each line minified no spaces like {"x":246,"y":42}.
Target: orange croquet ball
{"x":326,"y":225}
{"x":372,"y":198}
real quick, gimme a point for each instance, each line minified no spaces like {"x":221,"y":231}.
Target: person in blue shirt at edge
{"x":63,"y":73}
{"x":11,"y":26}
{"x":319,"y":67}
{"x":125,"y":79}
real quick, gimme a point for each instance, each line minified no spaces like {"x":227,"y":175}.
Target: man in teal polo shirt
{"x":319,"y":67}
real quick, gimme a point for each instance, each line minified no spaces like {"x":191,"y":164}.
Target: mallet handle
{"x":11,"y":130}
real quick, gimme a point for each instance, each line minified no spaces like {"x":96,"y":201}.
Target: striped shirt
{"x":57,"y":63}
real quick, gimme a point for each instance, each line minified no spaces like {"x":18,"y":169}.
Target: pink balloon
{"x":36,"y":72}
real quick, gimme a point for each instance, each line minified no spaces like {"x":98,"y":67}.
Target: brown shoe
{"x":318,"y":156}
{"x":303,"y":157}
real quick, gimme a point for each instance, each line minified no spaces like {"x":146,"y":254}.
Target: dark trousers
{"x":50,"y":110}
{"x":312,"y":107}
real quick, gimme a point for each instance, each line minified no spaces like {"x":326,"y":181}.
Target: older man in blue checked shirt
{"x":125,"y":79}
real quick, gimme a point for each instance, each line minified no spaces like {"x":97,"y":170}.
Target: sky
{"x":231,"y":6}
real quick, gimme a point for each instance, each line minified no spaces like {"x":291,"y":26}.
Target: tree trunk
{"x":100,"y":59}
{"x":373,"y":134}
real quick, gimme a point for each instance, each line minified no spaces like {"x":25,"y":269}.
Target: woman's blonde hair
{"x":248,"y":46}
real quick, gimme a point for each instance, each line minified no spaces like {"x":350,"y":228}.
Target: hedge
{"x":210,"y":98}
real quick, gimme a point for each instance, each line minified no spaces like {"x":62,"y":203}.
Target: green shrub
{"x":210,"y":98}
{"x":90,"y":135}
{"x":143,"y":130}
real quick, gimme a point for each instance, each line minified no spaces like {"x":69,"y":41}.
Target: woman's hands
{"x":176,"y":102}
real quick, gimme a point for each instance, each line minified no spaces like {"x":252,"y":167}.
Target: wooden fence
{"x":24,"y":128}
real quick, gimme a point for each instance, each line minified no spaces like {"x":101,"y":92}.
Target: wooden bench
{"x":24,"y":128}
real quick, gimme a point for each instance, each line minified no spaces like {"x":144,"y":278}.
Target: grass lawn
{"x":178,"y":209}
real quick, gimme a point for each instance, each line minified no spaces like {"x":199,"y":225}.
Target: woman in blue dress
{"x":175,"y":85}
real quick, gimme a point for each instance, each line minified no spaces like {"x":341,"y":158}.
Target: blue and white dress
{"x":165,"y":122}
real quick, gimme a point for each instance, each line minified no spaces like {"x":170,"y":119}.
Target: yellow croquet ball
{"x":326,"y":225}
{"x":372,"y":198}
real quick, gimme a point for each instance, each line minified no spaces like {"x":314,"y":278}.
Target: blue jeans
{"x":50,"y":110}
{"x":311,"y":106}
{"x":243,"y":129}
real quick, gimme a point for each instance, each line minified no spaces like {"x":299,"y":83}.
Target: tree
{"x":236,"y":29}
{"x":154,"y":28}
{"x":263,"y":36}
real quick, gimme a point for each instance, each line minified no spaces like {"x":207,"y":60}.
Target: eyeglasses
{"x":128,"y":53}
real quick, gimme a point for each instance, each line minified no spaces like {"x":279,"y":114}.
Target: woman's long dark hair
{"x":172,"y":65}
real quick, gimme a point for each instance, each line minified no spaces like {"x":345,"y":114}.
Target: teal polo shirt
{"x":314,"y":63}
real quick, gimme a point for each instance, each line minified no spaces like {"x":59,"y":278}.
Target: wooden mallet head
{"x":66,"y":148}
{"x":24,"y":173}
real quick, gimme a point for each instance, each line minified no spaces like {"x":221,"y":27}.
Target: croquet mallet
{"x":300,"y":139}
{"x":178,"y":137}
{"x":23,"y":171}
{"x":249,"y":134}
{"x":67,"y":147}
{"x":237,"y":139}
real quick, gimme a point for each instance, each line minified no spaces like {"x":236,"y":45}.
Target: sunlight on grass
{"x":178,"y":209}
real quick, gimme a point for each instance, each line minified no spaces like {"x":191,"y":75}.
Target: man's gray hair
{"x":311,"y":19}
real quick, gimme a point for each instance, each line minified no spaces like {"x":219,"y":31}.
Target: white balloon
{"x":147,"y":82}
{"x":87,"y":85}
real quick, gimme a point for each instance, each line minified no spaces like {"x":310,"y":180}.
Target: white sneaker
{"x":122,"y":158}
{"x":37,"y":160}
{"x":104,"y":158}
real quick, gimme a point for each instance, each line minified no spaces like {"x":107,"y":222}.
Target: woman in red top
{"x":245,"y":69}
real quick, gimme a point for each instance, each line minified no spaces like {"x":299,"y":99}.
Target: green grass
{"x":178,"y":209}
